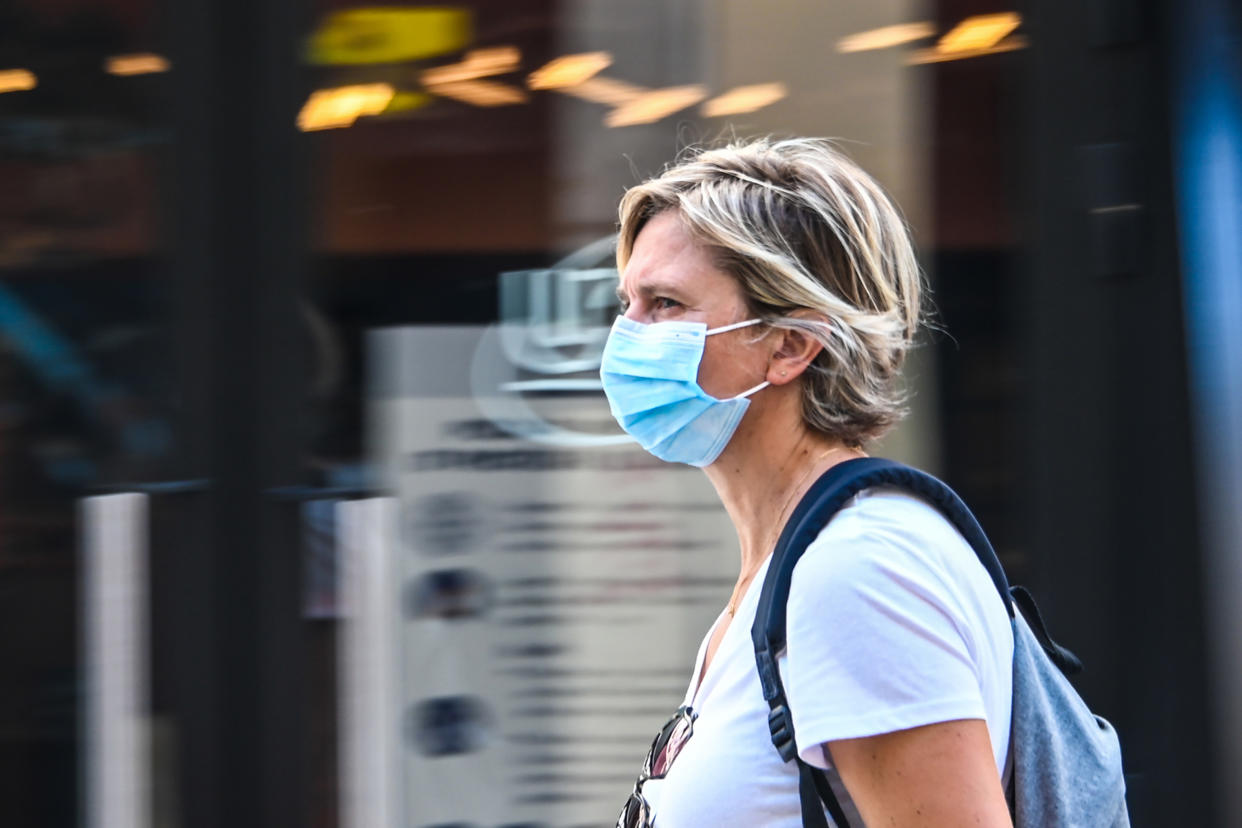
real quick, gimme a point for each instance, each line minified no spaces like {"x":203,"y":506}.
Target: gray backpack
{"x":1066,"y":761}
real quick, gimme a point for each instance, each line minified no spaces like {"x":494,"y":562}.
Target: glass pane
{"x":545,"y":585}
{"x":85,"y":402}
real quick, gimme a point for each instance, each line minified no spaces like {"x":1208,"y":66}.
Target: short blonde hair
{"x":803,"y":229}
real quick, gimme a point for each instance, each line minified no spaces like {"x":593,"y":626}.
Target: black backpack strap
{"x":821,"y":502}
{"x":813,"y":789}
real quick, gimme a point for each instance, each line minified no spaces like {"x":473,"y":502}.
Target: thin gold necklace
{"x":731,"y":608}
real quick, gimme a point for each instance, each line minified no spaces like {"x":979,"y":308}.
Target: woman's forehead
{"x":666,"y":257}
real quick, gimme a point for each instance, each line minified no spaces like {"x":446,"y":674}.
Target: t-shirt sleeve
{"x":877,"y":641}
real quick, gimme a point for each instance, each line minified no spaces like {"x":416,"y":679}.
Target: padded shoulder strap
{"x":821,"y":502}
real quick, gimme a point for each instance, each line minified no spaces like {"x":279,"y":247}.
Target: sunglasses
{"x":636,"y":813}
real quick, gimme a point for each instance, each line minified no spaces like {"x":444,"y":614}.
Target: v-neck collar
{"x":745,"y":616}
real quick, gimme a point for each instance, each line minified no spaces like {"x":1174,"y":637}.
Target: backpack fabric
{"x":1066,"y":762}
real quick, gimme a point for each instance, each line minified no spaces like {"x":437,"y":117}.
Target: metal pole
{"x":369,"y":720}
{"x":115,"y":661}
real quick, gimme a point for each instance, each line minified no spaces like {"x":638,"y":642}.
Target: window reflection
{"x":83,"y":391}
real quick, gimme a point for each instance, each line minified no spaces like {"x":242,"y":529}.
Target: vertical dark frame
{"x":1107,"y":491}
{"x":1205,"y":96}
{"x":238,"y":243}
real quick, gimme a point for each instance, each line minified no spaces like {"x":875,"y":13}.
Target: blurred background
{"x":311,"y":512}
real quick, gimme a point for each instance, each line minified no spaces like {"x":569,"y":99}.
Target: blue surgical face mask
{"x":650,"y":376}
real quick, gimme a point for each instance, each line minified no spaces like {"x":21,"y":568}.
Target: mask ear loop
{"x":757,"y":388}
{"x":725,"y":328}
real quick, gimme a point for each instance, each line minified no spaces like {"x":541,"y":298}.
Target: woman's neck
{"x":761,"y":476}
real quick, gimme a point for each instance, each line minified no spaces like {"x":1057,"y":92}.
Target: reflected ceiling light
{"x":975,"y":34}
{"x":1009,"y":44}
{"x":389,"y":35}
{"x":340,"y":107}
{"x":17,"y":80}
{"x":605,"y":91}
{"x":569,"y":70}
{"x":478,"y":63}
{"x":481,"y":92}
{"x":886,"y":37}
{"x":744,"y":99}
{"x":650,"y":107}
{"x":138,"y":64}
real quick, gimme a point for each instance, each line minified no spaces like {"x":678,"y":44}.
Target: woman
{"x":769,"y":294}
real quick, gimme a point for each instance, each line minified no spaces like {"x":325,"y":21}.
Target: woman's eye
{"x":665,"y":303}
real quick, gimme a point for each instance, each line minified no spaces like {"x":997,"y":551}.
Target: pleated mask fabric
{"x":650,"y":376}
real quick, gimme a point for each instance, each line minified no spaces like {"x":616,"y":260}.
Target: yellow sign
{"x":406,"y":101}
{"x":390,"y":35}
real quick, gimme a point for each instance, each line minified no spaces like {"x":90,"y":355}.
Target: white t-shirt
{"x":892,"y":623}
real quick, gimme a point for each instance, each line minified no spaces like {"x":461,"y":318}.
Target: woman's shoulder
{"x":886,"y":541}
{"x":889,"y":523}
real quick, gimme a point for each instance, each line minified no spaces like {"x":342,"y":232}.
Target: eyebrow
{"x":651,"y":289}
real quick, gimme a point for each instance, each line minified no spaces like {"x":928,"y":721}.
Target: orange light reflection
{"x":569,"y":70}
{"x":652,"y":106}
{"x":886,"y":37}
{"x":17,"y":80}
{"x":744,"y":99}
{"x":342,"y":106}
{"x":137,"y":64}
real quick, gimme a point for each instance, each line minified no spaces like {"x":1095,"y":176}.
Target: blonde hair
{"x":803,"y":229}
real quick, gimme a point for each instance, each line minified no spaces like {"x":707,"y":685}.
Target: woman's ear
{"x":795,"y":351}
